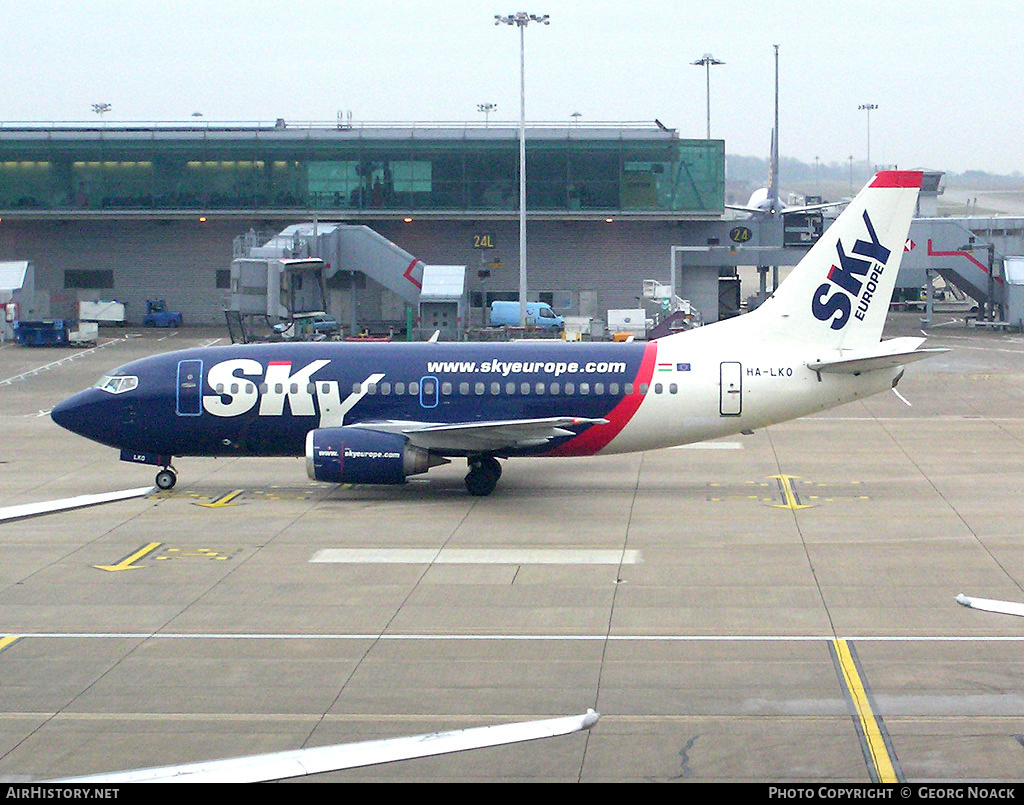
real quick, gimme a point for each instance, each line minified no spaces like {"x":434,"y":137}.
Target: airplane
{"x":766,"y":202}
{"x":378,"y":413}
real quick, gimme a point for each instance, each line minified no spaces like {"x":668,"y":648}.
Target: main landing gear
{"x":166,"y":478}
{"x":484,"y":472}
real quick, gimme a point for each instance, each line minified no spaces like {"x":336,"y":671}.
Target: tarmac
{"x":778,"y":607}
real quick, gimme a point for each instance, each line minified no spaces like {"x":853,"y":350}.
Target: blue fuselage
{"x":262,"y":400}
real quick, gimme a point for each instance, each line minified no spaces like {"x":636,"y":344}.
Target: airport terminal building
{"x":137,"y":212}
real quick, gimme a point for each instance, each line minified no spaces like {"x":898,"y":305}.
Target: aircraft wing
{"x":886,"y":355}
{"x":483,"y":437}
{"x":786,"y":210}
{"x":744,"y":208}
{"x":301,"y":762}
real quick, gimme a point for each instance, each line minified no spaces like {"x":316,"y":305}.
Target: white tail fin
{"x":838,"y":295}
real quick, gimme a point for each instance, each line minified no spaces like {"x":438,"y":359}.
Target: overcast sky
{"x":946,"y":76}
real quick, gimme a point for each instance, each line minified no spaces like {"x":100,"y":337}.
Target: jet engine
{"x":348,"y":455}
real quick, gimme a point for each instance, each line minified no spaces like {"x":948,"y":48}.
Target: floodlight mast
{"x":706,"y":61}
{"x":868,"y":107}
{"x":522,"y":19}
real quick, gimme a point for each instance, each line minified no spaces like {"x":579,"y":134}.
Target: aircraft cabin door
{"x":730,"y":402}
{"x":190,"y":388}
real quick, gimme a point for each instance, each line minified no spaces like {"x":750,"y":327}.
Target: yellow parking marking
{"x":788,"y":492}
{"x":128,"y":562}
{"x":874,"y":739}
{"x":223,"y":500}
{"x":8,"y":640}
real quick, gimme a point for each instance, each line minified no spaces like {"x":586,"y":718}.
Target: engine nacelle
{"x":350,"y":455}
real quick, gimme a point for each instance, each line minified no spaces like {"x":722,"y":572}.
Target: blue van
{"x":538,"y":314}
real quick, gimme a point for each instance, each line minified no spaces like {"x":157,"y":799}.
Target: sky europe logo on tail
{"x":853,"y":279}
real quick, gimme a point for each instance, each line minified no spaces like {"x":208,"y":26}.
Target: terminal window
{"x":85,"y":278}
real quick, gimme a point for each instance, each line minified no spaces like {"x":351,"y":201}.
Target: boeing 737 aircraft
{"x":377,"y":413}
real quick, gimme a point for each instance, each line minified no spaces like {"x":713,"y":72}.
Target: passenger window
{"x":371,"y":388}
{"x":510,"y":388}
{"x":278,"y":388}
{"x":584,"y":388}
{"x":628,"y":389}
{"x":414,"y":388}
{"x":657,"y":388}
{"x":495,"y":388}
{"x":399,"y":388}
{"x":463,"y":388}
{"x":555,"y":388}
{"x":599,"y":388}
{"x":428,"y":387}
{"x":446,"y":388}
{"x":613,"y":389}
{"x":673,"y":388}
{"x":479,"y":388}
{"x":524,"y":388}
{"x":644,"y":388}
{"x":539,"y":388}
{"x":385,"y":388}
{"x":570,"y":388}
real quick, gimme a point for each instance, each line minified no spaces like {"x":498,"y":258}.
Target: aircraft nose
{"x":68,"y":414}
{"x":80,"y":414}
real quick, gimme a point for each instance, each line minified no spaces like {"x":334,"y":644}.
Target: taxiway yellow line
{"x":7,"y":640}
{"x":872,"y":731}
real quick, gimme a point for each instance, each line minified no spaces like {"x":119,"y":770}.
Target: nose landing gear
{"x":166,"y":478}
{"x":484,"y":472}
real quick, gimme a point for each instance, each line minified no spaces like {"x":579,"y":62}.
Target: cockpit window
{"x":119,"y":384}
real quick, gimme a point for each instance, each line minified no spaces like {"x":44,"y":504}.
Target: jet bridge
{"x":347,"y":251}
{"x":970,"y":253}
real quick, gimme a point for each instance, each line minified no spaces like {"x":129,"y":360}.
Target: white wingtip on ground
{"x":81,"y":501}
{"x":317,"y":760}
{"x":991,"y":605}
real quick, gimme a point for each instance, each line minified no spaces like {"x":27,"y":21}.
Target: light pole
{"x":706,"y":61}
{"x":522,"y":19}
{"x":867,"y":107}
{"x":486,"y":108}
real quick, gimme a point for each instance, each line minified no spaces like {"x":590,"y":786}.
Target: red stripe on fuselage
{"x":597,"y":437}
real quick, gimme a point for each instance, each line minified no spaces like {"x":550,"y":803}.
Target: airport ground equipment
{"x":48,"y":333}
{"x":102,"y":311}
{"x":157,"y":315}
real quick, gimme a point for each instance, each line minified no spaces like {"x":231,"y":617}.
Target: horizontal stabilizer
{"x":886,"y":355}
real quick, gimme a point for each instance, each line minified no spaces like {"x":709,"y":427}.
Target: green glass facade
{"x":248,"y":170}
